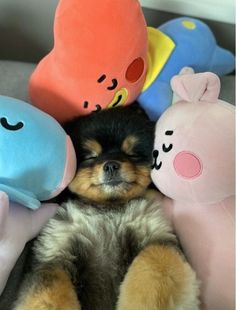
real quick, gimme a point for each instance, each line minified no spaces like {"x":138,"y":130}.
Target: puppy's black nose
{"x":111,"y":167}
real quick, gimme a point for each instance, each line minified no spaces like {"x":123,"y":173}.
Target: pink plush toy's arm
{"x":18,"y":225}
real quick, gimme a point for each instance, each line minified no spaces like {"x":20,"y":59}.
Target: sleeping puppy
{"x":109,"y":247}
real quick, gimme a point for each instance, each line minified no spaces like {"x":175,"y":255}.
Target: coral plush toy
{"x":37,"y":158}
{"x":106,"y":57}
{"x":176,"y":44}
{"x":194,"y":163}
{"x":99,"y":58}
{"x":37,"y":161}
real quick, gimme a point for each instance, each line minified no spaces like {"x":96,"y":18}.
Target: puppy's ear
{"x":68,"y":126}
{"x":136,"y":107}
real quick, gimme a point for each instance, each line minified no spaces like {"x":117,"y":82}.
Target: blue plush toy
{"x":37,"y":158}
{"x":176,"y":44}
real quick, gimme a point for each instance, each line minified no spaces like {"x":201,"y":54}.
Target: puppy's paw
{"x":159,"y":279}
{"x":48,"y":291}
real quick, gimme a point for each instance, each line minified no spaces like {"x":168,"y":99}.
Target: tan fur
{"x":158,"y":279}
{"x":83,"y":182}
{"x":97,"y":247}
{"x":153,"y":195}
{"x":93,"y":147}
{"x":129,"y":144}
{"x":87,"y":183}
{"x":57,"y":295}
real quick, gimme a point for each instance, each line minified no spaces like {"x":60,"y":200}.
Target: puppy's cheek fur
{"x":85,"y":178}
{"x":140,"y":178}
{"x":136,"y":173}
{"x":86,"y":181}
{"x":143,"y":176}
{"x":81,"y":181}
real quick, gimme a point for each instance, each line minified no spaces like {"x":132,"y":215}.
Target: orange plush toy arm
{"x":99,"y":59}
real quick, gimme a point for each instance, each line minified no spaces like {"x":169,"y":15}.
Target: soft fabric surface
{"x":194,"y":165}
{"x":18,"y":225}
{"x":99,"y":58}
{"x":37,"y":157}
{"x":15,"y":84}
{"x":62,"y":82}
{"x":16,"y":76}
{"x":188,"y":42}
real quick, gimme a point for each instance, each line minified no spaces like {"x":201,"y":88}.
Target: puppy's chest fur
{"x":97,"y":246}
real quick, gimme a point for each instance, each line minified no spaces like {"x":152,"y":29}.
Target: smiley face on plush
{"x":37,"y":158}
{"x":112,"y":89}
{"x":194,"y":161}
{"x":119,"y":94}
{"x":187,"y":144}
{"x":99,"y":59}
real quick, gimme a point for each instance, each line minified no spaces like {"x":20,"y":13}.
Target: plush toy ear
{"x":185,"y":70}
{"x":196,"y":87}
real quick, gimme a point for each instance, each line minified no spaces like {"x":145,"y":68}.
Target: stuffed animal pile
{"x":176,"y":44}
{"x":194,"y":166}
{"x":99,"y":58}
{"x":105,"y":57}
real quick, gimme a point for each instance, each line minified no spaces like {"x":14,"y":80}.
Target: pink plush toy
{"x":194,"y":164}
{"x":18,"y":225}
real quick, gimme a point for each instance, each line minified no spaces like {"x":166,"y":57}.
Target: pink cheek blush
{"x":187,"y":165}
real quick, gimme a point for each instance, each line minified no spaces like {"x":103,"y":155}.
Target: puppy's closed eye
{"x":93,"y":149}
{"x":134,"y":156}
{"x":90,"y":157}
{"x":114,"y":155}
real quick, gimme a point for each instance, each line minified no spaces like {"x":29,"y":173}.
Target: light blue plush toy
{"x":37,"y":158}
{"x":176,"y":44}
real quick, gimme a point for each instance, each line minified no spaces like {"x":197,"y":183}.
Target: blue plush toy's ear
{"x":221,"y":61}
{"x":22,"y":197}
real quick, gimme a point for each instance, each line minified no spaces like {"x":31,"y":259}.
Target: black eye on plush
{"x":6,"y":125}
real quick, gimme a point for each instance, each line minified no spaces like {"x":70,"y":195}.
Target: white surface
{"x":219,"y":10}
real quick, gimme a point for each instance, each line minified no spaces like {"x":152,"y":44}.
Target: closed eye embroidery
{"x":114,"y":84}
{"x":8,"y":126}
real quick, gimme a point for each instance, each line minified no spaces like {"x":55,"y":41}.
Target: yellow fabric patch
{"x":189,"y":24}
{"x":160,"y":47}
{"x":119,"y":98}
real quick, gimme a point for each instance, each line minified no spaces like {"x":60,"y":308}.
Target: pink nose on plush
{"x":187,"y":165}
